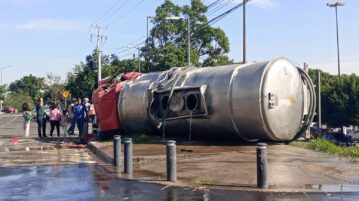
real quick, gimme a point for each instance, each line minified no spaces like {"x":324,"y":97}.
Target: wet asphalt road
{"x":49,"y":173}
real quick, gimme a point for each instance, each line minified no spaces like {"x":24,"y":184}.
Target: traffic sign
{"x":66,"y":94}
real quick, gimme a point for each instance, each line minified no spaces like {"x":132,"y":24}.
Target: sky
{"x":51,"y":36}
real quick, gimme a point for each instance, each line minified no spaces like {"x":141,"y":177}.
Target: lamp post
{"x":146,"y":56}
{"x":335,"y":5}
{"x":188,"y":36}
{"x":138,"y":56}
{"x":2,"y":68}
{"x":244,"y":33}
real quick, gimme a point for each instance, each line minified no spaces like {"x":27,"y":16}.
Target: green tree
{"x":16,"y":99}
{"x":167,"y":45}
{"x":82,"y":81}
{"x":54,"y":87}
{"x":30,"y":85}
{"x":2,"y":91}
{"x":340,"y":98}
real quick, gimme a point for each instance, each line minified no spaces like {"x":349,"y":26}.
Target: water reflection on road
{"x":93,"y":182}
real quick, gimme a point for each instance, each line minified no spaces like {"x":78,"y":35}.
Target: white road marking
{"x":2,"y":126}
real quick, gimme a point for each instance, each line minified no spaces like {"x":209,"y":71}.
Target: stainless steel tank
{"x":254,"y":101}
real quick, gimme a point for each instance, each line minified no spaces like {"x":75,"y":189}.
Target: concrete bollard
{"x":117,"y":150}
{"x":171,"y":160}
{"x":128,"y":167}
{"x":262,"y":165}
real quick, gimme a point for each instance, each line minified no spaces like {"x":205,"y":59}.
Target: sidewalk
{"x":290,"y":169}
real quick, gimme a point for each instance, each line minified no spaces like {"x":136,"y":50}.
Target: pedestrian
{"x":80,"y":113}
{"x":70,"y":116}
{"x":64,"y":122}
{"x":47,"y":115}
{"x":40,"y":118}
{"x":55,"y":117}
{"x":92,"y":114}
{"x":87,"y":118}
{"x":27,"y":118}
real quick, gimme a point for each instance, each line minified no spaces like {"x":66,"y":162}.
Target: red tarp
{"x":105,"y":100}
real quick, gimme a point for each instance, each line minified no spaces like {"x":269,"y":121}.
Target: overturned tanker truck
{"x":271,"y":100}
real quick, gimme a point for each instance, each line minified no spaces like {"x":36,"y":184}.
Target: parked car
{"x":9,"y":110}
{"x":354,"y":135}
{"x":339,"y":139}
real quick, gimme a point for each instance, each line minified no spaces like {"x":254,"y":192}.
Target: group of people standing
{"x":77,"y":113}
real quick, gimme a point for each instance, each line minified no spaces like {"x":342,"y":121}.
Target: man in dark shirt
{"x":80,"y":112}
{"x":40,"y":118}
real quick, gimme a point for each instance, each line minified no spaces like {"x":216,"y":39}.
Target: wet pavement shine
{"x":91,"y":182}
{"x":31,"y":169}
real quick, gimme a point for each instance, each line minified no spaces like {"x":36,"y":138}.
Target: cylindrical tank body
{"x":253,"y":101}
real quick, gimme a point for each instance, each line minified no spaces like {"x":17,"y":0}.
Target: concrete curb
{"x":95,"y":149}
{"x":105,"y":157}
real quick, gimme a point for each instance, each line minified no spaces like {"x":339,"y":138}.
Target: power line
{"x":214,"y":3}
{"x":221,"y":16}
{"x":125,"y":14}
{"x":107,"y":11}
{"x":115,"y":11}
{"x":221,"y":6}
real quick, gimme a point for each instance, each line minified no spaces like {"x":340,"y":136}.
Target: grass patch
{"x":142,"y":138}
{"x":202,"y":180}
{"x":328,"y":147}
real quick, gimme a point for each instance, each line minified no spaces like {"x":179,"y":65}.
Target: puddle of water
{"x":93,"y":182}
{"x":41,"y":148}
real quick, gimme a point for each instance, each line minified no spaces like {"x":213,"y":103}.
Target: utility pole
{"x":99,"y":39}
{"x":244,"y":32}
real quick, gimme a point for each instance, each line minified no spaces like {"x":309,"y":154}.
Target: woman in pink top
{"x":55,"y":117}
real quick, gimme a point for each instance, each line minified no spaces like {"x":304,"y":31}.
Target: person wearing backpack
{"x":80,"y":112}
{"x":27,"y":118}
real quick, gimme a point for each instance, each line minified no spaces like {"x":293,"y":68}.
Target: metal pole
{"x":171,"y":160}
{"x":262,"y":165}
{"x":319,"y":106}
{"x":336,"y":17}
{"x":244,"y":33}
{"x":146,"y":56}
{"x":139,"y":61}
{"x":147,"y":33}
{"x":99,"y":55}
{"x":188,"y":42}
{"x":117,"y":150}
{"x":1,"y":75}
{"x":128,"y":167}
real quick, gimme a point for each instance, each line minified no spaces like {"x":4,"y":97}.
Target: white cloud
{"x":50,"y":25}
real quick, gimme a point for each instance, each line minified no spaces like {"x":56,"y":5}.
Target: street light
{"x":188,"y":37}
{"x":139,"y":61}
{"x":2,"y":68}
{"x":335,"y":5}
{"x":244,"y":33}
